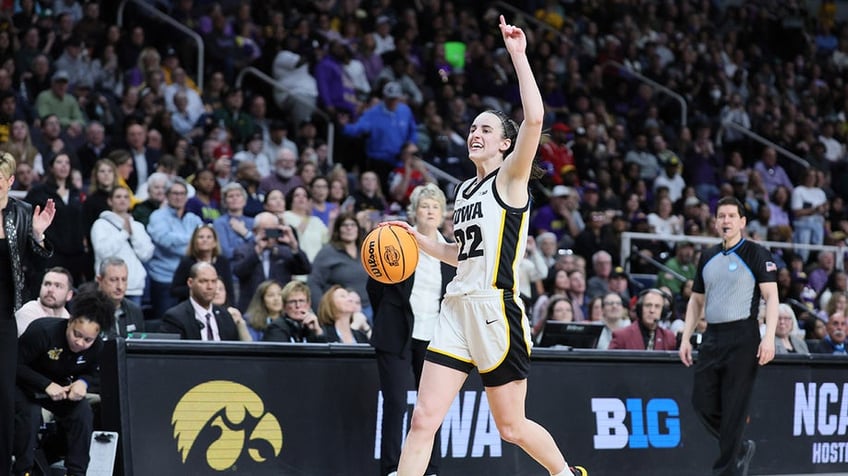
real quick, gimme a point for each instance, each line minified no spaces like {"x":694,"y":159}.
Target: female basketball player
{"x":482,"y":321}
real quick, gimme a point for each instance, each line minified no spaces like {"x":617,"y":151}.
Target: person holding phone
{"x":273,"y":253}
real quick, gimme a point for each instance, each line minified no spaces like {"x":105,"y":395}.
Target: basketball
{"x":389,"y":254}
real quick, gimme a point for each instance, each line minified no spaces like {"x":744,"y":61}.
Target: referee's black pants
{"x":724,"y":380}
{"x":394,"y":371}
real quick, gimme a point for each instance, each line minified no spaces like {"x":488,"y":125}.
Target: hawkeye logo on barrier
{"x":235,"y":415}
{"x":635,"y":423}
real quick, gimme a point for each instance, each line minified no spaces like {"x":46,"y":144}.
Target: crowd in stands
{"x":146,"y":166}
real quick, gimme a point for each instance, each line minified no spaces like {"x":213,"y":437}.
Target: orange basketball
{"x":389,"y":254}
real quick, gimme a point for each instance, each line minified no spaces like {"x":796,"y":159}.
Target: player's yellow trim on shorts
{"x":498,"y":251}
{"x":516,"y":262}
{"x":506,"y":328}
{"x":528,"y":341}
{"x":448,"y":354}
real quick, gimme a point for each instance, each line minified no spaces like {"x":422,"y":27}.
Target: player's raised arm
{"x":518,"y":164}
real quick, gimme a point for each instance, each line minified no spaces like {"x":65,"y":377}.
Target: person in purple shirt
{"x":369,"y":57}
{"x":779,"y":205}
{"x":557,"y":216}
{"x":701,"y":165}
{"x":284,"y":176}
{"x":771,"y":172}
{"x":825,"y":264}
{"x":335,"y":90}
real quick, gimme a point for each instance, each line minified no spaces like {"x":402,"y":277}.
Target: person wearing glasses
{"x":170,"y":228}
{"x":645,"y":333}
{"x":273,"y":253}
{"x":613,"y":318}
{"x":787,"y":340}
{"x":298,"y":323}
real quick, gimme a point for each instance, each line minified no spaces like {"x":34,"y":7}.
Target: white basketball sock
{"x":564,"y":472}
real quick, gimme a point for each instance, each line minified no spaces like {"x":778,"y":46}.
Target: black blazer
{"x":333,"y":336}
{"x":179,"y":284}
{"x":824,"y":346}
{"x":25,"y":254}
{"x":247,"y":266}
{"x":180,"y":320}
{"x":131,"y":320}
{"x":151,"y":156}
{"x":393,"y":318}
{"x":286,"y":329}
{"x":67,"y":233}
{"x":87,"y":157}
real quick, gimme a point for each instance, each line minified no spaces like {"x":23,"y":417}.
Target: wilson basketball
{"x":389,"y":254}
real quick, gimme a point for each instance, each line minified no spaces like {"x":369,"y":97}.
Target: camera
{"x":272,"y":233}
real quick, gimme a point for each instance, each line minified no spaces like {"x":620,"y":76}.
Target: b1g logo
{"x":634,"y":423}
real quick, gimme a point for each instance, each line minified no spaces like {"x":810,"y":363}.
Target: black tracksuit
{"x":44,"y":357}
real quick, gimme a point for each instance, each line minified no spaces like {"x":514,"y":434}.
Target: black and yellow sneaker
{"x":578,"y":470}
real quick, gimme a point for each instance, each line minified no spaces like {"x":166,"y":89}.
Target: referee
{"x":731,"y":279}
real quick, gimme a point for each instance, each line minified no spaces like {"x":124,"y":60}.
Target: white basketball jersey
{"x":491,"y":236}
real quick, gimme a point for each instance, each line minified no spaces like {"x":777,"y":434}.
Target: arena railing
{"x":528,"y":17}
{"x":250,"y":70}
{"x":684,"y":108}
{"x":331,"y":128}
{"x":441,"y":174}
{"x":762,"y":140}
{"x":173,"y":23}
{"x":628,"y":238}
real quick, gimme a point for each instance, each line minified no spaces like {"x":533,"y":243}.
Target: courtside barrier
{"x":193,"y":408}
